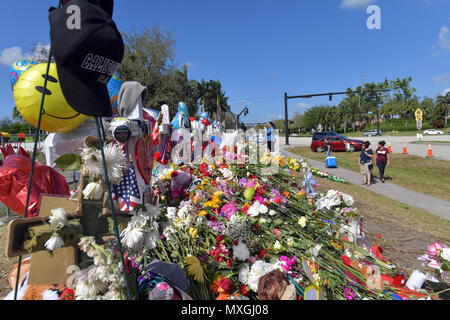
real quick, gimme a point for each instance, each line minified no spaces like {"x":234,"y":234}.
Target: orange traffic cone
{"x":430,"y":151}
{"x":405,"y":150}
{"x":389,"y":147}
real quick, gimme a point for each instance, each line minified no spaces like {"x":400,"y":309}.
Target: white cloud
{"x":352,"y":4}
{"x":444,"y":40}
{"x":9,"y":55}
{"x":444,"y":93}
{"x":444,"y":78}
{"x":302,"y":106}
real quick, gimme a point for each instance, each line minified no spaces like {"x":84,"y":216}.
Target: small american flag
{"x":127,"y":191}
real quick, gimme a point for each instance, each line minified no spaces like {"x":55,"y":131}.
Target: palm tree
{"x":188,"y":90}
{"x":444,"y":101}
{"x":215,"y":100}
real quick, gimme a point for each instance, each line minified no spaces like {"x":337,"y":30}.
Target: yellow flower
{"x":302,"y":222}
{"x":194,"y":268}
{"x":193,"y":232}
{"x":212,"y":204}
{"x":202,"y":213}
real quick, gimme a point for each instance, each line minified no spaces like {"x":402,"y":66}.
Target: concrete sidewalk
{"x":411,"y":198}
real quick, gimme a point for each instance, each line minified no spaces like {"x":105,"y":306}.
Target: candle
{"x":416,"y":280}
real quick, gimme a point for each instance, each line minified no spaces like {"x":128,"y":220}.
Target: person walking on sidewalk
{"x":270,"y":135}
{"x":328,"y":148}
{"x":383,"y":158}
{"x":366,"y":164}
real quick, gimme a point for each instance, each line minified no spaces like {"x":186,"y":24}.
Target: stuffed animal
{"x":276,"y":286}
{"x":31,"y":292}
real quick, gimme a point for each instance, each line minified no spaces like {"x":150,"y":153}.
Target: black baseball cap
{"x":86,"y":55}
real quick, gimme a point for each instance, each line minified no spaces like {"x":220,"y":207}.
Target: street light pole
{"x":286,"y":118}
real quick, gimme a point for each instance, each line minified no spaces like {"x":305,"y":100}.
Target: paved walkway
{"x":411,"y":198}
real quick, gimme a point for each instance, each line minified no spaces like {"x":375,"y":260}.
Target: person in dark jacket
{"x":365,"y":163}
{"x":383,"y":159}
{"x":270,"y":135}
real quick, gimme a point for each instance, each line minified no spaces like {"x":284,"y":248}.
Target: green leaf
{"x":69,"y":162}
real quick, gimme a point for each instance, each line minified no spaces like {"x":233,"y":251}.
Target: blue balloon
{"x":204,"y":116}
{"x":17,"y":68}
{"x":181,"y":119}
{"x":114,"y":86}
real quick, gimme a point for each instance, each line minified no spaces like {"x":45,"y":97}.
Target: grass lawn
{"x":423,"y":175}
{"x":381,"y":208}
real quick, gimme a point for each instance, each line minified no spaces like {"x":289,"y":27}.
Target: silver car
{"x":372,"y":133}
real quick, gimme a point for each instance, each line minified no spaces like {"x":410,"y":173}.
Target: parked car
{"x":320,"y":135}
{"x":433,"y":132}
{"x":372,"y":133}
{"x":338,"y":143}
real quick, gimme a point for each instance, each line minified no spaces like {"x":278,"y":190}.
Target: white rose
{"x":93,"y":191}
{"x":263,"y":209}
{"x":58,"y":219}
{"x":241,"y":252}
{"x":272,"y":213}
{"x":277,"y":246}
{"x":243,"y":274}
{"x":445,"y":254}
{"x":171,"y":213}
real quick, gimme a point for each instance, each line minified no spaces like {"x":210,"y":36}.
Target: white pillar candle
{"x":416,"y":280}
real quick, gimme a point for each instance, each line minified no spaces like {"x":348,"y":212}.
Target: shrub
{"x":397,"y":125}
{"x":438,"y":124}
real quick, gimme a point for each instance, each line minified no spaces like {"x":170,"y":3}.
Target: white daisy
{"x":54,"y":242}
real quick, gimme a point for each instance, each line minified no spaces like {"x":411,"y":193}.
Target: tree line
{"x":359,"y":108}
{"x":150,"y":59}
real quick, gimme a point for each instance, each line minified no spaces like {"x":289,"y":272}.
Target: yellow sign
{"x":419,"y":115}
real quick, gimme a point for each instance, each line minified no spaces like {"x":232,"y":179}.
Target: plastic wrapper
{"x":14,"y":178}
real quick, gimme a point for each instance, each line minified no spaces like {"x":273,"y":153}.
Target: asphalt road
{"x":414,"y":147}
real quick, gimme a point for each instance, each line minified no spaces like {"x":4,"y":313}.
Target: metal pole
{"x":286,"y":118}
{"x":378,"y":120}
{"x":113,"y":211}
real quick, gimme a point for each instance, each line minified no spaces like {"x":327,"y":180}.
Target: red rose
{"x":67,"y":294}
{"x":262,"y":253}
{"x":174,"y":174}
{"x":220,"y":238}
{"x":225,"y":284}
{"x":346,"y":260}
{"x":244,"y":291}
{"x":229,"y":261}
{"x":277,"y":232}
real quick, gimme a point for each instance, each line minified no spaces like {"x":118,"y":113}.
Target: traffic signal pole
{"x":286,"y":118}
{"x":330,"y":94}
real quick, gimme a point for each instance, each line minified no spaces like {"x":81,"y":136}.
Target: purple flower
{"x":349,"y":294}
{"x":243,"y":182}
{"x":216,"y":226}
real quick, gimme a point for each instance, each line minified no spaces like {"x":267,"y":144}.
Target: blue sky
{"x":259,"y":49}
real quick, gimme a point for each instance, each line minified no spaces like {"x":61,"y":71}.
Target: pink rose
{"x":228,"y":210}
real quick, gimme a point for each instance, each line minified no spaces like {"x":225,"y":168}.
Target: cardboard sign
{"x":49,"y":203}
{"x":52,"y":269}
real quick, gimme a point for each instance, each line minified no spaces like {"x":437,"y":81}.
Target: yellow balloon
{"x":57,"y":115}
